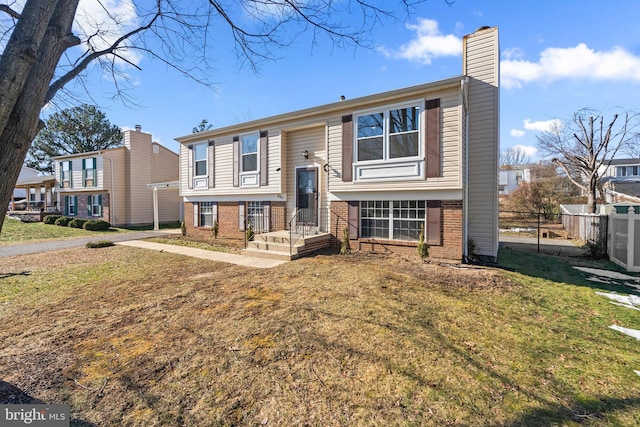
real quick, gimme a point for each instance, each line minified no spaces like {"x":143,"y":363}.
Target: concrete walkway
{"x":54,"y":245}
{"x":243,"y":260}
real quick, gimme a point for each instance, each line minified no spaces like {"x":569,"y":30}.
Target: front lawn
{"x":128,"y":336}
{"x":16,"y":232}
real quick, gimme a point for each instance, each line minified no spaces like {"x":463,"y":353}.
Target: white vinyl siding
{"x":313,"y":140}
{"x":481,"y":66}
{"x":224,"y":169}
{"x":451,"y":151}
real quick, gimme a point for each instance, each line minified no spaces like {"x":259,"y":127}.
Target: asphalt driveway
{"x":54,"y":245}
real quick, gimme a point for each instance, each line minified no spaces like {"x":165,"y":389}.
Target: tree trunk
{"x":591,"y":195}
{"x":21,"y":117}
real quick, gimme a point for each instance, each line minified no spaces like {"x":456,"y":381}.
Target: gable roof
{"x":620,"y":162}
{"x":335,"y":107}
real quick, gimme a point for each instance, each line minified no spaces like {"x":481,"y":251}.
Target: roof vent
{"x":342,"y":98}
{"x":138,"y":128}
{"x":484,"y":27}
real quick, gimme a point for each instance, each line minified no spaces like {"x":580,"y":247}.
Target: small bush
{"x":595,"y":250}
{"x":216,"y":229}
{"x":77,"y":222}
{"x":183,"y":229}
{"x":63,"y":221}
{"x":100,"y":244}
{"x":50,"y":219}
{"x":96,"y":225}
{"x":249,"y":234}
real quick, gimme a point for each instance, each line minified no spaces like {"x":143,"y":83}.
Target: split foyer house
{"x":113,"y":184}
{"x":380,"y":166}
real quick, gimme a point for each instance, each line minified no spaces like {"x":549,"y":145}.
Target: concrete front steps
{"x":277,"y":245}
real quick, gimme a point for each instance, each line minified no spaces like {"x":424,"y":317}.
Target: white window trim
{"x":69,"y":171}
{"x":95,"y":202}
{"x":71,"y":204}
{"x":200,"y":182}
{"x":390,"y":169}
{"x":249,"y":178}
{"x":391,"y":218}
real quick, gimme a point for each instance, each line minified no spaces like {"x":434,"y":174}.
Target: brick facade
{"x":82,"y":208}
{"x":229,"y":218}
{"x":451,"y":233}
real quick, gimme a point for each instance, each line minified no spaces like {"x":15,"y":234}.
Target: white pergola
{"x":158,"y":186}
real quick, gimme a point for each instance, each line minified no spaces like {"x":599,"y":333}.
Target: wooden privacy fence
{"x":588,"y":227}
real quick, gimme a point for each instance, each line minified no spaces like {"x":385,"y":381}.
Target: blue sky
{"x":557,"y":57}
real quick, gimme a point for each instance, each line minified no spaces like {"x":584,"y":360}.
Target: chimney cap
{"x":484,"y":27}
{"x":138,"y":128}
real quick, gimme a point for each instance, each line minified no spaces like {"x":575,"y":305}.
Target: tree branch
{"x":75,"y":71}
{"x":12,"y":13}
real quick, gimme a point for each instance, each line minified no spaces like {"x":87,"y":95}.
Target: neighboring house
{"x":512,"y":176}
{"x":25,"y":172}
{"x":382,"y":166}
{"x":113,"y":184}
{"x":621,"y":181}
{"x":33,"y":192}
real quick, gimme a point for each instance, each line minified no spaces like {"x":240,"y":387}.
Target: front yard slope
{"x":142,"y":338}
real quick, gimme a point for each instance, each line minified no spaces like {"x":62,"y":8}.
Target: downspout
{"x":112,"y":195}
{"x":465,"y":208}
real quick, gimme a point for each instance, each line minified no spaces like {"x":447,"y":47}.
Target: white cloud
{"x":517,"y":133}
{"x":528,"y":150}
{"x":100,"y":23}
{"x":427,"y":44}
{"x":542,"y":125}
{"x":580,"y":62}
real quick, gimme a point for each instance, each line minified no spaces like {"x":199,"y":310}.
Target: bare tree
{"x":43,"y":50}
{"x":513,"y":156}
{"x":583,"y":146}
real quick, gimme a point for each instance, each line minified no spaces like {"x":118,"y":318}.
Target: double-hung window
{"x":394,"y":220}
{"x":71,"y":204}
{"x":200,"y":160}
{"x":255,"y":215}
{"x":94,"y":205}
{"x":393,"y":133}
{"x":65,"y":174}
{"x":206,"y":214}
{"x":89,"y":172}
{"x":249,"y":152}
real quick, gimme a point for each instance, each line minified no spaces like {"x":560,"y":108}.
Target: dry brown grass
{"x":134,"y":337}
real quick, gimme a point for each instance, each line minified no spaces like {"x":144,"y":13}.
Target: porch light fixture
{"x":305,"y":154}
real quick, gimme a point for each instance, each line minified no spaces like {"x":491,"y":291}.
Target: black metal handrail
{"x":253,"y":224}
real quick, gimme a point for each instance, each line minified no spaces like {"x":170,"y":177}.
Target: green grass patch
{"x":16,"y":232}
{"x":128,"y":336}
{"x":178,"y":241}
